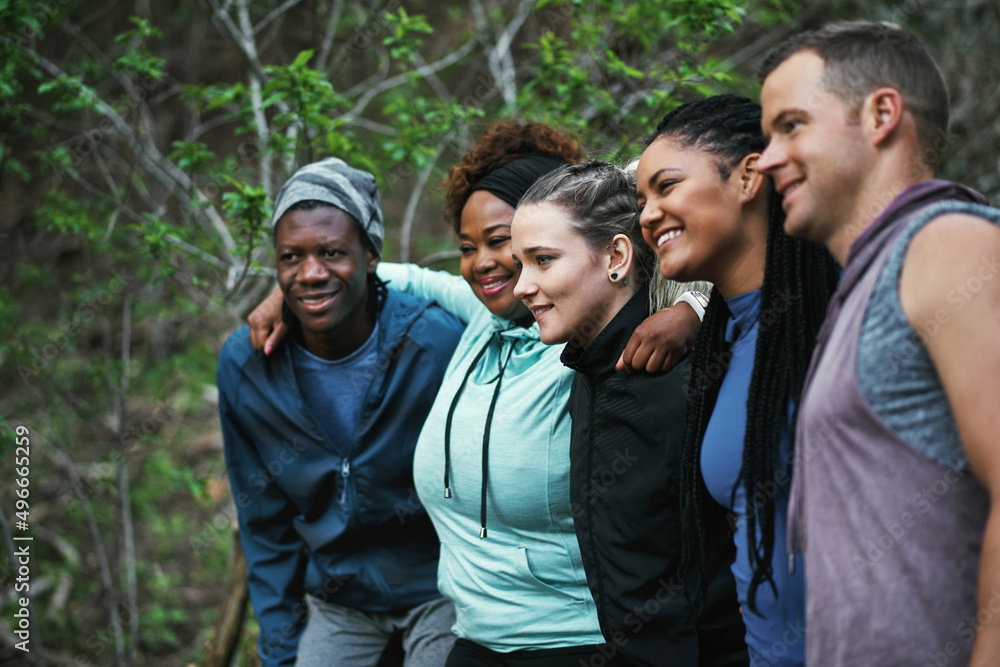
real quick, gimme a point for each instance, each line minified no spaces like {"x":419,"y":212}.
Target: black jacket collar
{"x":602,"y":355}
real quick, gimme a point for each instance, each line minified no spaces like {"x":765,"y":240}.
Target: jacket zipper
{"x":345,"y":474}
{"x":599,"y":597}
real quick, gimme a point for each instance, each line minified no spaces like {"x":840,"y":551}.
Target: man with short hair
{"x":897,"y":456}
{"x":319,"y":440}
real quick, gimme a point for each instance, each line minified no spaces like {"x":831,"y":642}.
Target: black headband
{"x":512,"y":180}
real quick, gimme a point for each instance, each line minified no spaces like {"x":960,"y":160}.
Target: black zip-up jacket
{"x":625,"y":477}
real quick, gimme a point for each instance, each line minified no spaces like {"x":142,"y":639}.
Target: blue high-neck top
{"x":776,"y":632}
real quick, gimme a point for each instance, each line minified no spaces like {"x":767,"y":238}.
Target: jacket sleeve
{"x":450,"y":291}
{"x":275,"y":554}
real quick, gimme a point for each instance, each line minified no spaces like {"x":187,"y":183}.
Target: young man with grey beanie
{"x":319,"y":439}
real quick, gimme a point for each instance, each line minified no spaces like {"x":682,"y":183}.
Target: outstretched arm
{"x":661,"y":341}
{"x":950,"y":277}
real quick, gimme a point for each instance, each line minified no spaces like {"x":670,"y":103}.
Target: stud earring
{"x":614,"y":277}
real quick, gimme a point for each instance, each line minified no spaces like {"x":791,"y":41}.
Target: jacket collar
{"x":602,"y":355}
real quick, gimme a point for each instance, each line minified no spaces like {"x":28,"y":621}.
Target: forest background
{"x":141,"y":144}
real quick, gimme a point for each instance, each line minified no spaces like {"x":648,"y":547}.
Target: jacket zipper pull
{"x":345,"y":473}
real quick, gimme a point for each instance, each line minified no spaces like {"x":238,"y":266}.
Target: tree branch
{"x":372,"y":91}
{"x":256,"y":77}
{"x":326,"y":48}
{"x":274,"y":13}
{"x":411,"y":205}
{"x":128,"y":528}
{"x":158,"y":166}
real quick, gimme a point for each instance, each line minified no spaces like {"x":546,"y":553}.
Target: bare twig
{"x":500,"y":61}
{"x":273,"y":14}
{"x":399,"y":79}
{"x":124,"y":497}
{"x":411,"y":205}
{"x":256,"y":79}
{"x":243,"y":41}
{"x":95,"y":532}
{"x":326,"y":48}
{"x":160,"y":168}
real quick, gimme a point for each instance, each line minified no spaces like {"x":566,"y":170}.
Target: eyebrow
{"x":652,"y":179}
{"x":488,"y":230}
{"x":534,"y":249}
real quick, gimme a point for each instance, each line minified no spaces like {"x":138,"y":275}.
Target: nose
{"x":484,"y":261}
{"x":524,"y":286}
{"x":772,"y":158}
{"x":312,"y":270}
{"x":648,"y":214}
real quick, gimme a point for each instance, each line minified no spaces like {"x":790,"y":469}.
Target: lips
{"x":316,"y":303}
{"x":539,"y":311}
{"x":788,"y":188}
{"x":492,"y":285}
{"x":665,"y":237}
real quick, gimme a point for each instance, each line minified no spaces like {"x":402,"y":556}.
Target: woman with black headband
{"x":492,"y":462}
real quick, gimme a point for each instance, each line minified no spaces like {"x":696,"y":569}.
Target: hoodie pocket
{"x":501,"y":603}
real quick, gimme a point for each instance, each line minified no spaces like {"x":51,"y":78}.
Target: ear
{"x":373,"y":260}
{"x":751,"y":179}
{"x":619,"y":254}
{"x":881,"y":113}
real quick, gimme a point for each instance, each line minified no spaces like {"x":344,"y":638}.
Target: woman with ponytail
{"x":711,"y":215}
{"x":585,"y":273}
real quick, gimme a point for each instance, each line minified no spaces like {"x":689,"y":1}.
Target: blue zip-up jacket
{"x":348,"y":530}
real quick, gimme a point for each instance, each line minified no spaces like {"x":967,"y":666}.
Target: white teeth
{"x":313,"y":301}
{"x":669,"y":236}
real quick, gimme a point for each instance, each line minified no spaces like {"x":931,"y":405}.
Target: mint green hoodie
{"x":523,"y":586}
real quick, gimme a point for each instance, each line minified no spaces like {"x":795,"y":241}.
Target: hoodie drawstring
{"x":486,"y":432}
{"x":451,"y":414}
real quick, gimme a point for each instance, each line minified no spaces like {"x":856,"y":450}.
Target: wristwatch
{"x":696,"y":300}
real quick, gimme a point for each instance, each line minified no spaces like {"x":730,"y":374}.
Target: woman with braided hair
{"x":711,"y":215}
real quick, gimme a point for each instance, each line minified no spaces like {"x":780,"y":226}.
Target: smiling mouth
{"x":317,"y":302}
{"x":493,"y":285}
{"x":539,"y":311}
{"x":668,"y":236}
{"x":789,"y":189}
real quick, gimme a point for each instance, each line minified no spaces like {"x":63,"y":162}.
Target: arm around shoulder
{"x":449,"y":290}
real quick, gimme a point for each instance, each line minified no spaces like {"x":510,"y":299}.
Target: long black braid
{"x":799,"y":279}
